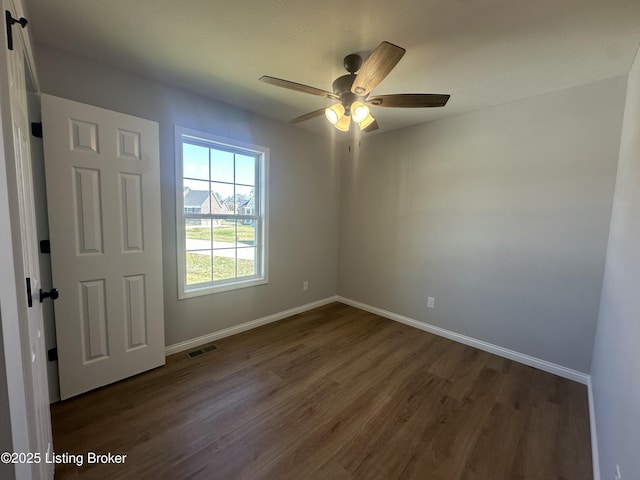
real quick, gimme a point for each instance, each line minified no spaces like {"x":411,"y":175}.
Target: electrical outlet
{"x":431,"y":302}
{"x":618,"y":475}
{"x":305,"y":286}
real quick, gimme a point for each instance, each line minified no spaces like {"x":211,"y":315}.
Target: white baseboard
{"x":594,"y":438}
{"x":538,"y":363}
{"x":243,"y":327}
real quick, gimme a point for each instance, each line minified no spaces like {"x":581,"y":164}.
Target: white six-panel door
{"x":103,"y":195}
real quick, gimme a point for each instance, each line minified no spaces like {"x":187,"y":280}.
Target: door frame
{"x":13,"y":307}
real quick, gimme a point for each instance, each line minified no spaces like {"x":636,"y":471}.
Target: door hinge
{"x":36,"y":129}
{"x":10,"y":21}
{"x":52,"y":354}
{"x":45,"y":246}
{"x":29,"y":296}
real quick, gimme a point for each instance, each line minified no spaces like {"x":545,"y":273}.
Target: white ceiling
{"x":482,"y":52}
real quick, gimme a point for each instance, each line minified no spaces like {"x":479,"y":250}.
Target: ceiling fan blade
{"x":378,"y":65}
{"x":409,"y":100}
{"x":308,"y":116}
{"x":298,"y":87}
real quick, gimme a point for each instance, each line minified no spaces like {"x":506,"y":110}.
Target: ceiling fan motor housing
{"x":352,"y":63}
{"x":342,"y":88}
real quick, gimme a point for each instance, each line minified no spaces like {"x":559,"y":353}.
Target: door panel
{"x":103,"y":192}
{"x":26,"y":253}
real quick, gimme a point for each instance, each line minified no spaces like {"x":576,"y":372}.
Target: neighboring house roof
{"x":201,"y":199}
{"x":247,"y":203}
{"x":195,"y":198}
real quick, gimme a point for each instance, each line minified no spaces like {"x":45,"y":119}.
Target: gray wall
{"x":616,"y":357}
{"x":303,"y":191}
{"x":502,"y":215}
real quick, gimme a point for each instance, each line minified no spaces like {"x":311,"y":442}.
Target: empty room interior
{"x":320,"y":240}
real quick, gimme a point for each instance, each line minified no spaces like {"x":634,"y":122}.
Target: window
{"x":221,"y":213}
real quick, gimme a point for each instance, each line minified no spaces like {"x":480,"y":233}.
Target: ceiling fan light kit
{"x":353,"y":89}
{"x":339,"y":117}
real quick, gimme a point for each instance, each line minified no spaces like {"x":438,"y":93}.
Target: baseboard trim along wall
{"x":544,"y":365}
{"x":243,"y":327}
{"x":538,"y":363}
{"x":595,"y":458}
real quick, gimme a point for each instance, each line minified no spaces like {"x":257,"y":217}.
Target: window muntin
{"x":221,"y":205}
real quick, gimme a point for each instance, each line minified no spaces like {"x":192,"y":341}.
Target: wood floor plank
{"x":534,"y":455}
{"x":333,"y":393}
{"x":367,"y":455}
{"x":454,"y":444}
{"x":497,"y":440}
{"x":516,"y":389}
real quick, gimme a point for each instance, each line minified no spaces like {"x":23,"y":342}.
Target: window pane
{"x":224,"y":264}
{"x":245,"y":170}
{"x":214,"y":203}
{"x":224,"y":196}
{"x":195,"y":161}
{"x":198,"y":236}
{"x":246,"y":261}
{"x":224,"y":234}
{"x":195,"y":195}
{"x":246,"y":233}
{"x":199,"y":267}
{"x":221,"y":166}
{"x":245,"y":202}
{"x":195,"y":185}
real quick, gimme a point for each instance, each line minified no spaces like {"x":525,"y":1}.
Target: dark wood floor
{"x":334,"y":393}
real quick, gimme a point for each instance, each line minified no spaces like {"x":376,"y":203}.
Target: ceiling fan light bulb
{"x":344,"y":123}
{"x":331,"y":116}
{"x":334,"y":113}
{"x":359,"y":111}
{"x":366,"y":122}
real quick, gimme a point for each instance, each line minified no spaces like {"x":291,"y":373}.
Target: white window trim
{"x":263,"y":253}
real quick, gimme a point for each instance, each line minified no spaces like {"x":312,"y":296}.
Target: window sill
{"x":209,"y":289}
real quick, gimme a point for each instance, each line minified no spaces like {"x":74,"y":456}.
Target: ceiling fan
{"x":351,"y":91}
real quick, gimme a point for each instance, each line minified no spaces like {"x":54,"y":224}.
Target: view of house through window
{"x":222,"y":228}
